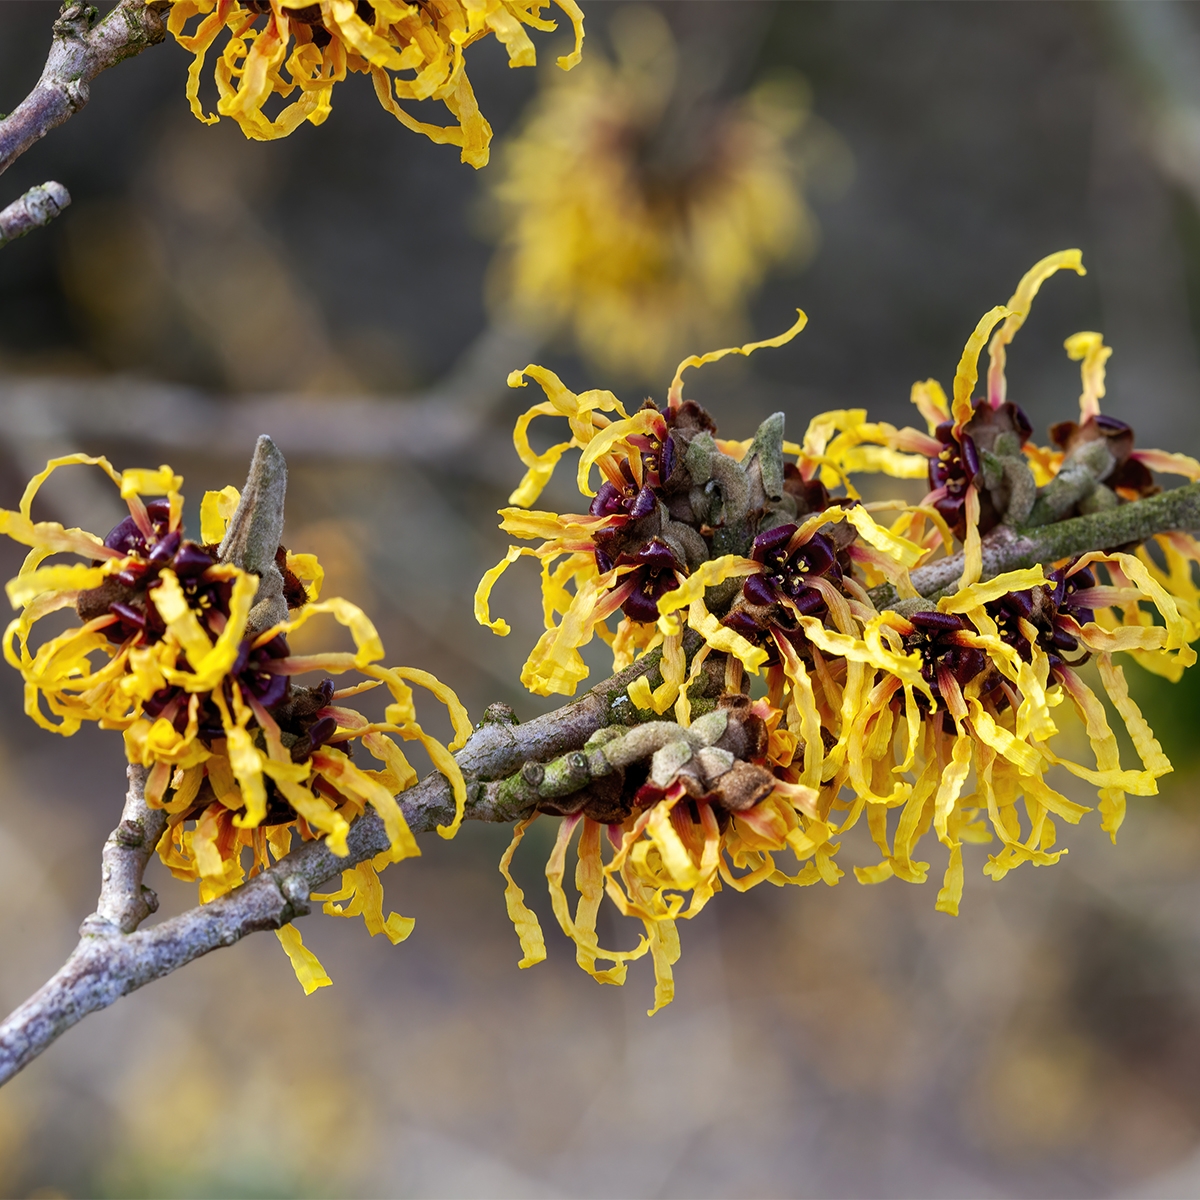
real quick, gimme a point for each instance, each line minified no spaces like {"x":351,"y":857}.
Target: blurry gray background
{"x":325,"y":289}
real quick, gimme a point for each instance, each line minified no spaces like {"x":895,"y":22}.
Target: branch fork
{"x":82,"y":47}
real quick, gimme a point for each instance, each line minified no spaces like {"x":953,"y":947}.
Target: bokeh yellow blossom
{"x":639,"y":223}
{"x":290,"y":48}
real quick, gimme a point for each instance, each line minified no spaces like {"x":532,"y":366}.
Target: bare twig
{"x":39,"y":206}
{"x":80,"y":50}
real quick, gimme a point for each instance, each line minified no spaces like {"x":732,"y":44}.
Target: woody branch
{"x":1009,"y":549}
{"x":115,"y":957}
{"x":81,"y":47}
{"x":39,"y":206}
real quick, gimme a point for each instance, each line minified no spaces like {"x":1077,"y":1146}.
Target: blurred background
{"x":360,"y":295}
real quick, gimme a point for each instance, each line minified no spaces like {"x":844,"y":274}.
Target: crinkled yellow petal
{"x":950,"y":895}
{"x":675,"y":395}
{"x":346,"y":777}
{"x":534,"y":481}
{"x":368,"y":646}
{"x":524,"y":919}
{"x":903,"y":551}
{"x":1019,"y":304}
{"x":1090,"y":348}
{"x":646,"y":420}
{"x":25,"y":587}
{"x":975,"y":595}
{"x":951,"y":785}
{"x":305,"y":963}
{"x":1140,"y":733}
{"x":141,"y":481}
{"x":707,"y":574}
{"x":216,"y":513}
{"x":972,"y":543}
{"x":664,"y":951}
{"x":575,"y":15}
{"x":906,"y":667}
{"x":309,"y":571}
{"x":967,"y":374}
{"x":181,"y":620}
{"x":674,"y":669}
{"x":555,"y":869}
{"x":53,"y":538}
{"x":675,"y":856}
{"x":930,"y":401}
{"x":1043,"y":461}
{"x":1039,"y":791}
{"x":1022,"y":755}
{"x":443,"y":692}
{"x":362,"y":887}
{"x":589,"y":882}
{"x":810,"y":718}
{"x":210,"y":661}
{"x":906,"y":553}
{"x":721,"y":637}
{"x":1169,"y":463}
{"x":555,"y":664}
{"x":314,"y":809}
{"x":66,"y":460}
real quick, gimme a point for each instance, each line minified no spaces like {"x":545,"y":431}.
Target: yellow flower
{"x":638,"y":229}
{"x":705,"y":817}
{"x":944,"y":715}
{"x":411,"y":51}
{"x":642,"y":534}
{"x":671,"y":497}
{"x":239,"y":756}
{"x":943,"y":711}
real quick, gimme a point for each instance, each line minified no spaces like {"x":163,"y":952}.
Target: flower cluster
{"x":412,"y":52}
{"x":786,"y":616}
{"x":242,"y":758}
{"x":639,"y":221}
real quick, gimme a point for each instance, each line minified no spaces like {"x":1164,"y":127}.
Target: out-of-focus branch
{"x":81,"y":48}
{"x":53,"y":414}
{"x":1158,"y":45}
{"x":39,"y":206}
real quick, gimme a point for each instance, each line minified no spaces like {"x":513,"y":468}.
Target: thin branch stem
{"x":426,"y":426}
{"x":125,"y":902}
{"x":1007,"y":549}
{"x":79,"y":51}
{"x":92,"y":973}
{"x":39,"y":206}
{"x":113,"y":958}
